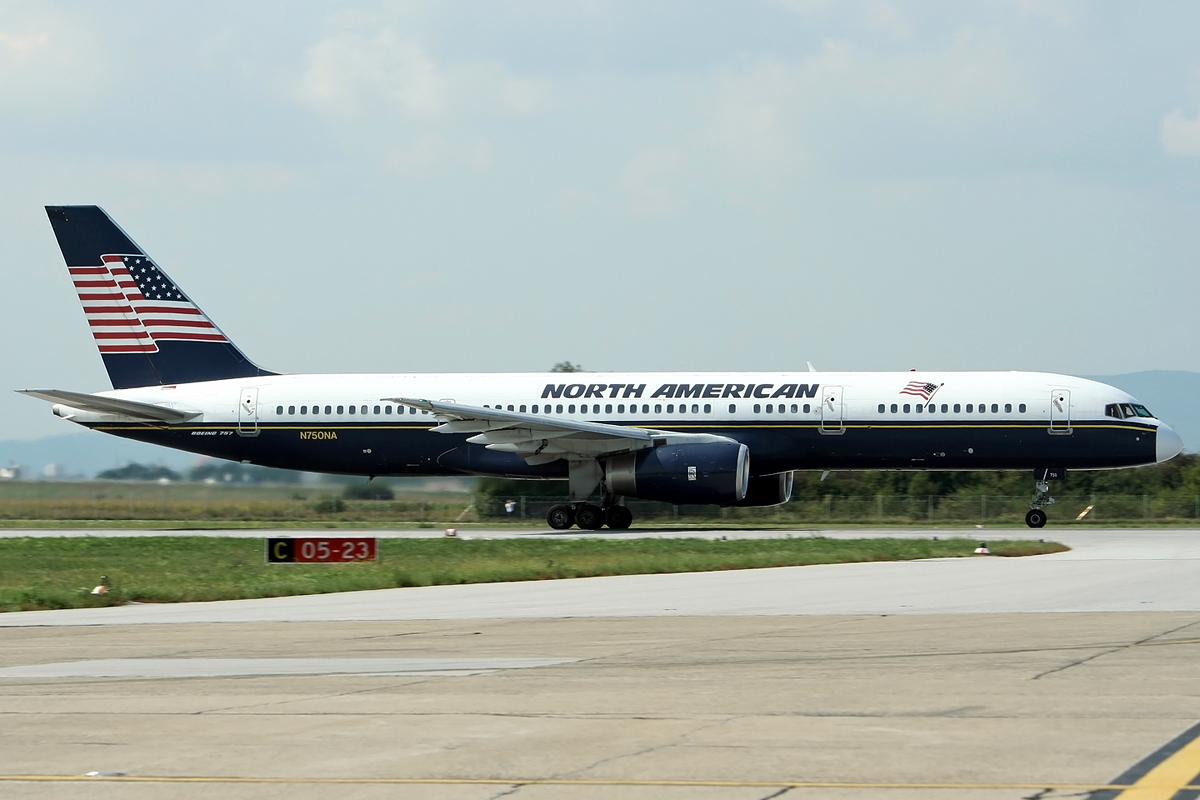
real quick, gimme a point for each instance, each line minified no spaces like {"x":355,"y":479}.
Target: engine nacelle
{"x":767,"y":490}
{"x":715,"y":473}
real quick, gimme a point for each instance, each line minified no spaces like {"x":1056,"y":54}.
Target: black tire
{"x":618,"y":517}
{"x":560,"y":517}
{"x":1036,"y":518}
{"x":589,"y":517}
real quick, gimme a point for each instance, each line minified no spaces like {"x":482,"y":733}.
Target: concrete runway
{"x":930,"y":679}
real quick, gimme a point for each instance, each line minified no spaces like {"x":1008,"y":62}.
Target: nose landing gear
{"x":1036,"y":517}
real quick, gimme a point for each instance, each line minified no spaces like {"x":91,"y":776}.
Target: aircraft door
{"x":833,"y":410}
{"x":248,"y":412}
{"x":1060,"y":411}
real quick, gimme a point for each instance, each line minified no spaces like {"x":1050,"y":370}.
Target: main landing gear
{"x":589,"y":517}
{"x":1036,"y":517}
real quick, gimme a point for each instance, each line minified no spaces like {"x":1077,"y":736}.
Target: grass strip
{"x":49,"y":573}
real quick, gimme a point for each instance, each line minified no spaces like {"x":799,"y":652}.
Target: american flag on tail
{"x":920,"y":389}
{"x":130,"y":304}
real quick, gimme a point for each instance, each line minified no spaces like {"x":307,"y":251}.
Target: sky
{"x":481,"y":186}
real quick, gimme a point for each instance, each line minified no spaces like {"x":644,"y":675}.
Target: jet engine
{"x":703,"y":473}
{"x":767,"y":490}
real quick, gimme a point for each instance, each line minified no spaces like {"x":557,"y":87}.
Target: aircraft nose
{"x":1168,"y":444}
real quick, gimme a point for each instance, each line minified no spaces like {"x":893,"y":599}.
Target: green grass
{"x":47,"y":573}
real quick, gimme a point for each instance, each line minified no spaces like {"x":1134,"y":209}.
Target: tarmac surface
{"x":1068,"y":675}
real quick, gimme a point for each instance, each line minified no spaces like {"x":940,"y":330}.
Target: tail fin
{"x":148,"y":331}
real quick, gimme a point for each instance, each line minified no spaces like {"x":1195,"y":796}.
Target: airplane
{"x":721,"y":438}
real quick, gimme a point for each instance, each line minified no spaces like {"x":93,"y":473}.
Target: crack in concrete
{"x":1149,"y":640}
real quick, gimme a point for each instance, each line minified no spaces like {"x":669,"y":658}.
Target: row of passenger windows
{"x":659,"y":408}
{"x":291,"y":410}
{"x":671,"y":408}
{"x":932,"y":408}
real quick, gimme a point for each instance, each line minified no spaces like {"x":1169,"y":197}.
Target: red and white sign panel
{"x":321,"y":550}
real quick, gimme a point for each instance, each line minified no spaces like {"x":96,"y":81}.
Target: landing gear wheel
{"x":589,"y":517}
{"x":560,"y":517}
{"x":1036,"y":518}
{"x":618,"y":517}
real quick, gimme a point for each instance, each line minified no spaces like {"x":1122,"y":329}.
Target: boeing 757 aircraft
{"x":725,"y":438}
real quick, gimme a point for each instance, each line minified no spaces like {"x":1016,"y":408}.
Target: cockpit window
{"x":1127,"y":411}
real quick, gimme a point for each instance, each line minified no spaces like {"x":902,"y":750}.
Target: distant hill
{"x":1170,"y":394}
{"x":84,"y":454}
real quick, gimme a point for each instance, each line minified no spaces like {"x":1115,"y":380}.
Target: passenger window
{"x":958,"y":408}
{"x":795,"y":408}
{"x":995,"y":408}
{"x":807,"y":408}
{"x":770,"y":408}
{"x":1008,"y":408}
{"x":341,"y":410}
{"x":571,"y":408}
{"x":907,"y":408}
{"x":303,"y":410}
{"x":970,"y":408}
{"x":387,"y":409}
{"x":376,"y":411}
{"x":522,"y":409}
{"x":558,"y":409}
{"x":708,"y":408}
{"x":657,"y":409}
{"x":732,"y":408}
{"x":670,"y":408}
{"x":328,"y":410}
{"x":930,"y":407}
{"x":895,"y":408}
{"x":757,"y":408}
{"x":608,"y":408}
{"x":596,"y":408}
{"x":352,"y":409}
{"x":881,"y":408}
{"x":364,"y":409}
{"x":1021,"y":408}
{"x":945,"y":408}
{"x":918,"y":408}
{"x":621,"y":408}
{"x":695,"y":408}
{"x":279,"y":409}
{"x":292,"y":410}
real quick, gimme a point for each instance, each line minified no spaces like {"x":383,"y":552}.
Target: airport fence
{"x":883,"y":509}
{"x":212,"y":506}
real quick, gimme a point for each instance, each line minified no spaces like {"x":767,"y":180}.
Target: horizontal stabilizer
{"x":111,"y":405}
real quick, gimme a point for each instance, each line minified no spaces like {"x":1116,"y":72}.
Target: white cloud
{"x":1180,"y":136}
{"x":770,"y":119}
{"x":51,"y":62}
{"x":640,"y":179}
{"x":430,"y":154}
{"x":350,"y":74}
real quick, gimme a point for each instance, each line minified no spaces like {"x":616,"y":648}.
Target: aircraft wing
{"x":110,"y":405}
{"x":540,"y":440}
